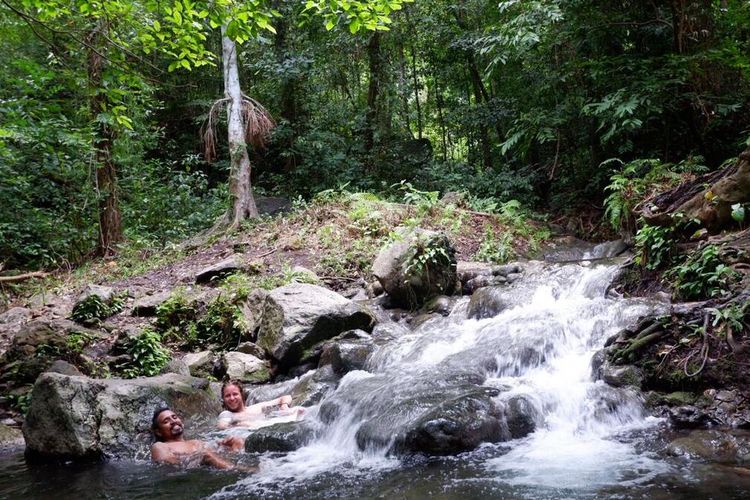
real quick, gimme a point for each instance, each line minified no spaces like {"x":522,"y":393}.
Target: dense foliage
{"x":516,"y":100}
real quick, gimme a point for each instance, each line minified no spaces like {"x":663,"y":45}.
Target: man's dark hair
{"x":155,"y":421}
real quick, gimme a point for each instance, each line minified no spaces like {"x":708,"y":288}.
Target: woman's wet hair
{"x":235,"y":383}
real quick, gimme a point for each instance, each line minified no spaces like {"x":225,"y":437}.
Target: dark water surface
{"x":461,"y":477}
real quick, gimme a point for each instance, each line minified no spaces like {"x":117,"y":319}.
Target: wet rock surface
{"x":283,"y":437}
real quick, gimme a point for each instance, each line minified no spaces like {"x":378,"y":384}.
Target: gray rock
{"x":609,"y":249}
{"x":520,"y":416}
{"x":245,"y":367}
{"x":200,"y":364}
{"x":283,"y":437}
{"x":486,"y":303}
{"x":621,"y":376}
{"x":506,"y":270}
{"x":441,"y":305}
{"x":146,"y":305}
{"x":483,"y":281}
{"x":689,"y":417}
{"x":222,"y":269}
{"x":64,"y":368}
{"x":251,"y":348}
{"x":11,"y":322}
{"x":104,"y":293}
{"x":82,"y":418}
{"x":348,"y":352}
{"x":297,"y":318}
{"x":469,"y":270}
{"x":454,"y":425}
{"x":39,"y":343}
{"x":177,"y":366}
{"x":410,"y":285}
{"x":313,"y":386}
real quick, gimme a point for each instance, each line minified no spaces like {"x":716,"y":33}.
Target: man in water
{"x":257,"y":415}
{"x":171,"y":447}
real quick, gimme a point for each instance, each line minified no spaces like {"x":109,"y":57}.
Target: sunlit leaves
{"x":373,"y":15}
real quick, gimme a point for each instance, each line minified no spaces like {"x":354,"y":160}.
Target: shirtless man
{"x":171,"y":446}
{"x":253,"y":416}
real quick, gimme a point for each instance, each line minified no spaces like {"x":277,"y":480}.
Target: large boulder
{"x":39,"y":343}
{"x":454,"y":425}
{"x":296,"y":319}
{"x":419,"y":265}
{"x":83,"y":418}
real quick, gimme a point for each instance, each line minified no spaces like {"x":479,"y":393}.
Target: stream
{"x":590,"y":440}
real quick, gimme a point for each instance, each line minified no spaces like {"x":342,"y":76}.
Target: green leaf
{"x":738,"y":212}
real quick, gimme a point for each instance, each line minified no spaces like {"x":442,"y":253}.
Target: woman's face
{"x":233,"y":400}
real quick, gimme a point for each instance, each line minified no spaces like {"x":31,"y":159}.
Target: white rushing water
{"x":540,"y":348}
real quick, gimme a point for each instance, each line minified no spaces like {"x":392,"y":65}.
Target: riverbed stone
{"x":245,"y":367}
{"x":621,"y":376}
{"x":520,"y":416}
{"x":313,"y":386}
{"x":200,"y":364}
{"x":410,"y":285}
{"x":348,"y":351}
{"x":712,"y":445}
{"x":83,"y":418}
{"x":283,"y":437}
{"x":436,"y":423}
{"x":486,"y":303}
{"x":298,"y":318}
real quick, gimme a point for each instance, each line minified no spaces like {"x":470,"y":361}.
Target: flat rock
{"x":222,"y":269}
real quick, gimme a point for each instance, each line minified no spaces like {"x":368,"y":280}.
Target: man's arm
{"x":214,"y":460}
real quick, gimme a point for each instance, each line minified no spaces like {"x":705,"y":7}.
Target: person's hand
{"x":234,"y":443}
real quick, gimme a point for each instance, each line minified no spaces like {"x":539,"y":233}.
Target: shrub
{"x":148,"y":355}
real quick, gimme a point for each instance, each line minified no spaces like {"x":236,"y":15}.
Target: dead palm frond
{"x":258,"y":125}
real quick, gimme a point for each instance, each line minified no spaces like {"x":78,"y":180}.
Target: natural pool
{"x":590,"y":440}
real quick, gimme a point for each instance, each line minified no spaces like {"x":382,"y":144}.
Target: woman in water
{"x":236,"y":414}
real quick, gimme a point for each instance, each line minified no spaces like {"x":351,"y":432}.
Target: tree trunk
{"x":240,"y":189}
{"x":110,"y":220}
{"x":373,"y":90}
{"x":416,"y":90}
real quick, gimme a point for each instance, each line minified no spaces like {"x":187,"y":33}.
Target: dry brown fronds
{"x":258,"y":125}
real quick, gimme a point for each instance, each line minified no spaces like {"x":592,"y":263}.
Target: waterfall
{"x":538,"y":350}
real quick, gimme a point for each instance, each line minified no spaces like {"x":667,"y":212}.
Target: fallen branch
{"x":21,"y":277}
